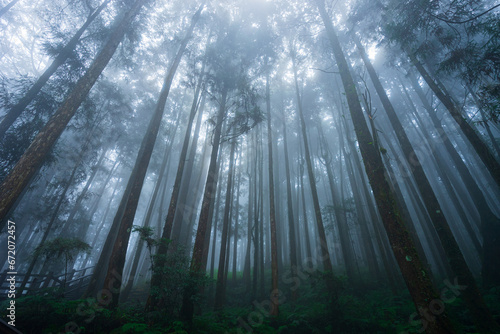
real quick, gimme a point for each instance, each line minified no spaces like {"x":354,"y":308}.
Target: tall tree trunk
{"x":236,"y":226}
{"x":220,"y":289}
{"x":147,"y":222}
{"x":481,"y":148}
{"x":117,"y":259}
{"x":101,"y":226}
{"x":387,"y":260}
{"x":229,"y":233}
{"x":260,"y":217}
{"x":417,"y":281}
{"x":290,"y":213}
{"x":53,"y":218}
{"x":76,"y":207}
{"x":185,"y":209}
{"x":250,"y":212}
{"x":490,"y":224}
{"x":339,"y":212}
{"x":272,"y":214}
{"x":8,"y":6}
{"x":325,"y":254}
{"x":214,"y":217}
{"x":34,"y":156}
{"x":472,"y":296}
{"x":256,"y":225}
{"x":182,"y":161}
{"x":18,"y":108}
{"x":361,"y":215}
{"x":210,"y":189}
{"x":304,"y":211}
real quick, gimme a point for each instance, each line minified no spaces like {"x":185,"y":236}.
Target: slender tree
{"x":290,"y":213}
{"x":33,"y":158}
{"x":8,"y":6}
{"x":325,"y":254}
{"x":272,"y":210}
{"x":63,"y":55}
{"x":481,"y":148}
{"x":119,"y":251}
{"x":418,"y":283}
{"x":220,"y":285}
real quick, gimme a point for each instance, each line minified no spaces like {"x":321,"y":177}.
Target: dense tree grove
{"x":260,"y":166}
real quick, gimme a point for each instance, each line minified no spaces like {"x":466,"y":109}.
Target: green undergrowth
{"x":349,"y":310}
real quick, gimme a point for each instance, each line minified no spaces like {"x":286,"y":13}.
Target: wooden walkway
{"x":77,"y":281}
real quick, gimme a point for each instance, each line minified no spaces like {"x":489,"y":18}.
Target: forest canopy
{"x":260,"y":166}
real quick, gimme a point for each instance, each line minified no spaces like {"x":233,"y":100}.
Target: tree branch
{"x":461,"y":22}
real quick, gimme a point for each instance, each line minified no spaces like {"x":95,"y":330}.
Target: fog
{"x":259,"y":166}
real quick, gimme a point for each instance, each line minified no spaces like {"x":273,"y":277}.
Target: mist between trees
{"x":260,"y":166}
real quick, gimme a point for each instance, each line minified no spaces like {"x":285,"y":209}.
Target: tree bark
{"x":481,"y":148}
{"x":117,"y":259}
{"x":272,"y":214}
{"x":291,"y":218}
{"x":169,"y":220}
{"x":18,"y":108}
{"x":417,"y":281}
{"x":34,"y":156}
{"x":53,"y":218}
{"x":490,"y":223}
{"x":325,"y":254}
{"x":339,"y":212}
{"x":236,"y":227}
{"x":220,"y":285}
{"x":210,"y":189}
{"x":472,"y":295}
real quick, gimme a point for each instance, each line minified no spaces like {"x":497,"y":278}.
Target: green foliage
{"x":135,"y":328}
{"x":354,"y":310}
{"x":67,"y":247}
{"x":174,"y":279}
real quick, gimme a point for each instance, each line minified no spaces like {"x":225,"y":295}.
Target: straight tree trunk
{"x":340,"y":217}
{"x":387,"y":260}
{"x":101,"y":225}
{"x":53,"y":218}
{"x":236,"y":227}
{"x":250,"y":212}
{"x":260,"y":217}
{"x":185,"y":208}
{"x":256,"y":225}
{"x":147,"y":223}
{"x":119,"y":251}
{"x":229,"y":233}
{"x":18,"y":108}
{"x":8,"y":6}
{"x":362,"y":219}
{"x":214,"y":217}
{"x":76,"y":207}
{"x":481,"y":148}
{"x":325,"y":254}
{"x":490,"y":224}
{"x":472,"y":296}
{"x":187,"y":309}
{"x":417,"y":281}
{"x":34,"y":156}
{"x":304,"y":212}
{"x":290,"y":214}
{"x":182,"y":161}
{"x":272,"y":214}
{"x":220,"y":288}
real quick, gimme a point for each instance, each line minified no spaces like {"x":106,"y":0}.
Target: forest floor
{"x":352,"y":310}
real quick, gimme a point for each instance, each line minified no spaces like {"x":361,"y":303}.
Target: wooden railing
{"x":76,"y":281}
